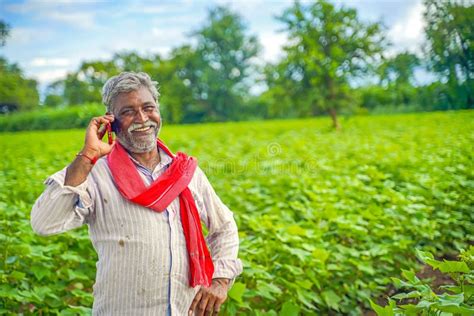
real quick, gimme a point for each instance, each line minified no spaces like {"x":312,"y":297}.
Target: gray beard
{"x":139,"y":144}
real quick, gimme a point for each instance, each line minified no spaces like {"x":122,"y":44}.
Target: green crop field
{"x":325,"y":217}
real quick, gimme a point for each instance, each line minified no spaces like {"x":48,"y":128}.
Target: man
{"x":144,"y":207}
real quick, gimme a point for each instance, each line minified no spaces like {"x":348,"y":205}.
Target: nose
{"x":141,"y":116}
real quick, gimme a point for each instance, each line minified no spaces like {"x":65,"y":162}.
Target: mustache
{"x":135,"y":126}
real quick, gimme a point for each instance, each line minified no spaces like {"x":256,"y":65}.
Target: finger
{"x":217,"y":307}
{"x":201,"y":308}
{"x":110,"y":117}
{"x":102,"y":131}
{"x":96,"y":122}
{"x":210,"y":306}
{"x":102,"y":119}
{"x":196,"y":300}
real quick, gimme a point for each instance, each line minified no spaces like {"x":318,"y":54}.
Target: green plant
{"x":325,"y":218}
{"x":457,"y":299}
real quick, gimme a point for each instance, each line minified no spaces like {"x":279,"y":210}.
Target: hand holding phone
{"x":108,"y":129}
{"x":94,"y":147}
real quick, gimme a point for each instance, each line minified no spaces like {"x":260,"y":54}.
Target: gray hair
{"x":127,"y":82}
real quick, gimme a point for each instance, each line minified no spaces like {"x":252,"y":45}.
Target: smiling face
{"x":139,"y":120}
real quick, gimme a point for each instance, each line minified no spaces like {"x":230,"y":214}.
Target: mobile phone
{"x":115,"y":126}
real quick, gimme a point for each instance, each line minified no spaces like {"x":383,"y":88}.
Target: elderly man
{"x":144,"y":206}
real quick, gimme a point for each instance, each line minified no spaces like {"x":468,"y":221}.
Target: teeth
{"x":141,"y":129}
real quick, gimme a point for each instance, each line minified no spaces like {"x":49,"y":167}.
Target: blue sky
{"x":51,"y":37}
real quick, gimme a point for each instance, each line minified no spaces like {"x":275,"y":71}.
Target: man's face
{"x":139,"y":120}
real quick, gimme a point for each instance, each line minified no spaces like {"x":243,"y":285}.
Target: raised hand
{"x":94,"y":147}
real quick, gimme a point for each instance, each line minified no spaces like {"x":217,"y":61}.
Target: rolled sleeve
{"x":61,"y":207}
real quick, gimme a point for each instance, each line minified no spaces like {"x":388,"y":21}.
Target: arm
{"x":61,"y":207}
{"x":66,"y":203}
{"x":223,"y":237}
{"x":223,"y":242}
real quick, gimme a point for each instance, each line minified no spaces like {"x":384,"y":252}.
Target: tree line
{"x":333,"y":62}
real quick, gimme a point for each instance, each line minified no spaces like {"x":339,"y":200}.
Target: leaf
{"x":457,"y":310}
{"x":304,"y":284}
{"x":453,"y":266}
{"x":366,"y":267}
{"x":320,"y":254}
{"x":267,"y":290}
{"x":410,"y":309}
{"x":17,"y":275}
{"x":447,"y":299}
{"x":40,"y":272}
{"x":331,"y":299}
{"x":289,"y":309}
{"x":427,"y":258}
{"x":11,"y":259}
{"x":296,"y":230}
{"x":410,"y":276}
{"x":237,"y":291}
{"x":413,"y":294}
{"x":382,"y":310}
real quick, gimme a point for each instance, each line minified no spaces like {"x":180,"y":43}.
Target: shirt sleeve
{"x":222,"y":238}
{"x":60,"y":207}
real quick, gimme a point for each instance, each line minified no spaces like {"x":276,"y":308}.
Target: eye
{"x":127,"y":112}
{"x":149,"y":108}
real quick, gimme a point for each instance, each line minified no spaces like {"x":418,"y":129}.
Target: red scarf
{"x":171,"y":184}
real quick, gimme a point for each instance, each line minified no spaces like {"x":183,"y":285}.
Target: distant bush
{"x":66,"y":118}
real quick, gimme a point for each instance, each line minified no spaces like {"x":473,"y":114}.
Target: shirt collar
{"x":165,"y":160}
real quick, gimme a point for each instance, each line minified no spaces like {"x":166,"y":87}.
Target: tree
{"x":399,"y":70}
{"x":17,"y":93}
{"x":85,"y":84}
{"x":221,"y":80}
{"x":175,"y":75}
{"x":397,"y":78}
{"x":4,"y":32}
{"x":450,"y":36}
{"x":327,"y":47}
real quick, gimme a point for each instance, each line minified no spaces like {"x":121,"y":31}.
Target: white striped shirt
{"x":143,"y":264}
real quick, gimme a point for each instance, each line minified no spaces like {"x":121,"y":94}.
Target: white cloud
{"x":25,"y":35}
{"x":272,"y":43}
{"x":48,"y":76}
{"x":150,"y":8}
{"x":84,"y":20}
{"x":407,"y":33}
{"x":50,"y":62}
{"x":77,"y":14}
{"x":33,"y":6}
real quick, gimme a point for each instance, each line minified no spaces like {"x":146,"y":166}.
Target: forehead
{"x":135,"y":98}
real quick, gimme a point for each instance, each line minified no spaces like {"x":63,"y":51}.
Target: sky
{"x":49,"y":38}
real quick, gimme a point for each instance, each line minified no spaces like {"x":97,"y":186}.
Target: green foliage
{"x":16,"y":91}
{"x":325,"y":218}
{"x":455,"y":299}
{"x":85,"y":84}
{"x":209,"y":82}
{"x":450,"y":34}
{"x":225,"y":52}
{"x":327,"y":47}
{"x":329,"y":52}
{"x":4,"y":32}
{"x":46,"y":118}
{"x":399,"y":70}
